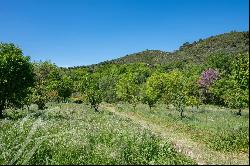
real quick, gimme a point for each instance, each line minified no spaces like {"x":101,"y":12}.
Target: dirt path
{"x":197,"y":151}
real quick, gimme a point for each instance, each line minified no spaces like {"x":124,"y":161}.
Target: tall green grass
{"x":75,"y":134}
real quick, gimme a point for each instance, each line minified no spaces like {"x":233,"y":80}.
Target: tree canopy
{"x":16,"y":76}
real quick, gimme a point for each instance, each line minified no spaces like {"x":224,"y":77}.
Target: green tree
{"x":234,"y":89}
{"x":40,"y":96}
{"x":108,"y":84}
{"x":155,"y":88}
{"x":16,"y":76}
{"x":42,"y":93}
{"x":221,"y":62}
{"x":176,"y":90}
{"x":91,"y":89}
{"x":63,"y":86}
{"x":231,"y":94}
{"x":128,"y":89}
{"x":110,"y":75}
{"x":240,"y":71}
{"x":76,"y":76}
{"x":192,"y":91}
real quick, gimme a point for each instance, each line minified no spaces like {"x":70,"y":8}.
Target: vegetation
{"x":76,"y":135}
{"x":16,"y":76}
{"x":42,"y":91}
{"x":128,"y":89}
{"x":155,"y":88}
{"x":92,"y":90}
{"x":211,"y":72}
{"x":197,"y":52}
{"x":217,"y":128}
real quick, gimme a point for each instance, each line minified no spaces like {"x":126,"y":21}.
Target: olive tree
{"x":16,"y":76}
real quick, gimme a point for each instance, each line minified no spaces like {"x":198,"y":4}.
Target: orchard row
{"x":220,"y":80}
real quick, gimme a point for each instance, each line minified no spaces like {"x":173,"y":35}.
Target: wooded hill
{"x":196,"y":52}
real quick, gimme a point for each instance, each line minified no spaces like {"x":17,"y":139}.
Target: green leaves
{"x":91,"y":89}
{"x":155,"y":88}
{"x":233,"y":89}
{"x":45,"y":73}
{"x":128,"y":88}
{"x":231,"y":93}
{"x":16,"y":76}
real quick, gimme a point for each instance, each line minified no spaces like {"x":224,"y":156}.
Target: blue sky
{"x":83,"y":32}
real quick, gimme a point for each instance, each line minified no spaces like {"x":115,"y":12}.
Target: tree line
{"x":222,"y":80}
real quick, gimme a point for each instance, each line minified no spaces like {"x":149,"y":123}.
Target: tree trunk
{"x":239,"y":112}
{"x":96,"y":108}
{"x":182,"y":113}
{"x":134,"y":105}
{"x":1,"y":111}
{"x":41,"y":106}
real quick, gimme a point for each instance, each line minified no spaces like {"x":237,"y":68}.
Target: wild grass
{"x":75,"y":134}
{"x":219,"y":128}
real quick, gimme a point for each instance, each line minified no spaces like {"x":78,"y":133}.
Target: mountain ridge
{"x":227,"y":43}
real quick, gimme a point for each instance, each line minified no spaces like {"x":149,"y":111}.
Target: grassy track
{"x":182,"y":142}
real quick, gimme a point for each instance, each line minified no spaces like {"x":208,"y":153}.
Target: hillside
{"x":228,"y":43}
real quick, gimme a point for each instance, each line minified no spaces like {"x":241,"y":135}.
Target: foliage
{"x":16,"y":76}
{"x":108,"y":85}
{"x":221,"y":62}
{"x":193,"y":97}
{"x":240,"y":71}
{"x":195,"y":53}
{"x":234,"y":89}
{"x":207,"y":78}
{"x":175,"y":90}
{"x":155,"y":88}
{"x":210,"y":71}
{"x":92,"y":90}
{"x":128,"y":89}
{"x":129,"y":78}
{"x":76,"y":76}
{"x":63,"y":86}
{"x":42,"y":92}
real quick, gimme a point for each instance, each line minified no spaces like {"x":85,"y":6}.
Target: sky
{"x":84,"y":32}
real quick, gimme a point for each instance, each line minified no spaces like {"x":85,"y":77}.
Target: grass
{"x":219,"y":128}
{"x":75,"y":134}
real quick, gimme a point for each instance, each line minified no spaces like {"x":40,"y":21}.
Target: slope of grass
{"x":74,"y":134}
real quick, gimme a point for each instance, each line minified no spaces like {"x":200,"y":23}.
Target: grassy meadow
{"x":68,"y":133}
{"x":75,"y":134}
